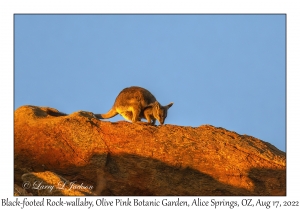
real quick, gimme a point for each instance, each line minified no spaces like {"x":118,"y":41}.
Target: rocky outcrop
{"x":104,"y":158}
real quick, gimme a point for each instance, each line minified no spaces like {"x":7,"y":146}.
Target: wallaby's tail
{"x":111,"y":113}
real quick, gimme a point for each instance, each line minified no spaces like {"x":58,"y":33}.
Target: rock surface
{"x":122,"y":158}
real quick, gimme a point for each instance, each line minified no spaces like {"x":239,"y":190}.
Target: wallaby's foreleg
{"x":149,"y":118}
{"x":153,"y":121}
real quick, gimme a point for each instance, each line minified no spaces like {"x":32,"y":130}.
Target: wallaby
{"x":135,"y":103}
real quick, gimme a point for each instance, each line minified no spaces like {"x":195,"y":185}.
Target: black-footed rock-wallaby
{"x":135,"y":103}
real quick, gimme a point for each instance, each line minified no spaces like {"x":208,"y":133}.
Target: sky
{"x":224,"y":70}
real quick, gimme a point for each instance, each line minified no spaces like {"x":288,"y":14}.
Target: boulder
{"x":123,"y":158}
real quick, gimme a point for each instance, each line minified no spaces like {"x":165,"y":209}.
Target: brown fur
{"x":135,"y":103}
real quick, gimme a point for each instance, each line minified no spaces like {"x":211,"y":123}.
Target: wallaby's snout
{"x":161,"y":112}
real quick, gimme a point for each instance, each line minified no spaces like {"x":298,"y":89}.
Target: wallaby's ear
{"x":169,"y":105}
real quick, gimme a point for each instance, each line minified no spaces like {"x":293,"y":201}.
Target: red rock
{"x":139,"y":159}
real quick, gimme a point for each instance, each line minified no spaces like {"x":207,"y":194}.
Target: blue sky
{"x":224,"y":70}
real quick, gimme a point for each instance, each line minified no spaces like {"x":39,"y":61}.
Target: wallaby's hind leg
{"x":136,"y":114}
{"x":133,"y":115}
{"x":127,"y":115}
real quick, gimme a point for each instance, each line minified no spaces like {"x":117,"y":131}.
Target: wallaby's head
{"x":160,"y":112}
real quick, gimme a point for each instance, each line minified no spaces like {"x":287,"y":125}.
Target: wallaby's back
{"x":134,"y":95}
